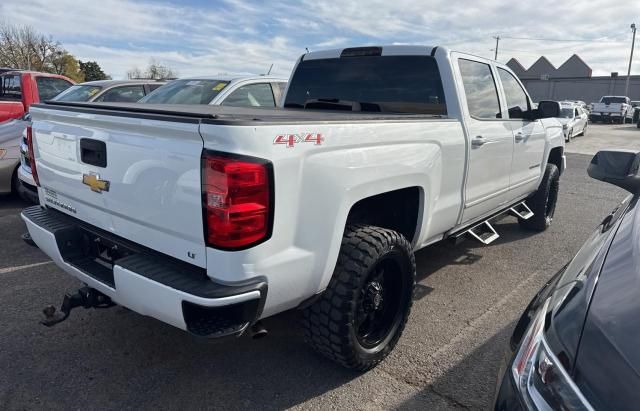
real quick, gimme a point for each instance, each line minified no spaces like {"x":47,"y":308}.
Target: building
{"x":571,"y":81}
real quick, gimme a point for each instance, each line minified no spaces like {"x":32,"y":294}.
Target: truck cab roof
{"x":231,"y":78}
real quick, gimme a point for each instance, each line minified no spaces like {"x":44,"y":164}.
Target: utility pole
{"x":495,"y":57}
{"x":633,"y":43}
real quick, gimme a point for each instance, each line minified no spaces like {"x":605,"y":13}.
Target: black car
{"x":577,"y":345}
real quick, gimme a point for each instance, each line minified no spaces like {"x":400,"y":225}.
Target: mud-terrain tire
{"x":543,"y":202}
{"x":361,"y":315}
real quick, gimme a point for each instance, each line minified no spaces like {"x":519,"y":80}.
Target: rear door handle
{"x":520,"y":137}
{"x":479,"y":141}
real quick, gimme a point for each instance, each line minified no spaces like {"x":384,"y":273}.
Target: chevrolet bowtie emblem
{"x":93,"y":181}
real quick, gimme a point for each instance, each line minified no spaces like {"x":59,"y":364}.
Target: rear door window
{"x":10,"y":88}
{"x":152,"y":87}
{"x":385,"y":84}
{"x":479,"y":89}
{"x":49,"y":87}
{"x":122,"y":94}
{"x":251,"y":95}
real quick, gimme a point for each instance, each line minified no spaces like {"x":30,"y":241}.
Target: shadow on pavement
{"x":115,"y":359}
{"x":445,"y":253}
{"x":473,"y":379}
{"x":11,"y":202}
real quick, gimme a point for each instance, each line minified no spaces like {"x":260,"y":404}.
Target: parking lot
{"x":467,"y":300}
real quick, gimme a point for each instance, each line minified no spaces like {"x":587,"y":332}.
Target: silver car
{"x":105,"y":91}
{"x":236,"y":91}
{"x":574,"y":120}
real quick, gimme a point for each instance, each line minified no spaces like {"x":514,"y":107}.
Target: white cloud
{"x":248,"y":36}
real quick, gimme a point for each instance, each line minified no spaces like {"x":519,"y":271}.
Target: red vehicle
{"x":18,"y":91}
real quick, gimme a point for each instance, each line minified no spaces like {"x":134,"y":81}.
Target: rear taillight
{"x":32,"y":157}
{"x":237,"y":200}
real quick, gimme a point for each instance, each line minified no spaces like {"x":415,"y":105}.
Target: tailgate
{"x":607,"y":108}
{"x":147,"y":190}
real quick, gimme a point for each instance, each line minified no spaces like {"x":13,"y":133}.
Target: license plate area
{"x":91,"y":253}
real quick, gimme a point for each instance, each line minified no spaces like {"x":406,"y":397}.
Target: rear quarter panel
{"x":316,"y":186}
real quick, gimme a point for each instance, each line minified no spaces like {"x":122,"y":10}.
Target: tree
{"x":134,"y":73}
{"x":154,"y":71}
{"x":23,"y":48}
{"x":92,"y":71}
{"x":67,"y":65}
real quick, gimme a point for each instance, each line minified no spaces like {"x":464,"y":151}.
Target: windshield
{"x":186,"y":92}
{"x":391,"y":84}
{"x":78,"y":93}
{"x":566,"y":113}
{"x":610,"y":100}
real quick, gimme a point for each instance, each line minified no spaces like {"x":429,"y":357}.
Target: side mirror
{"x":617,"y":167}
{"x":548,"y":109}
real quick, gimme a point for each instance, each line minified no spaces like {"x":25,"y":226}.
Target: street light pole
{"x":495,"y":57}
{"x":633,"y":42}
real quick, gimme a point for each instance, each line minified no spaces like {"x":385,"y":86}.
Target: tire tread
{"x":326,"y":323}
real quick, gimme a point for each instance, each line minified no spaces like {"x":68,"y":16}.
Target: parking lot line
{"x":22,"y":267}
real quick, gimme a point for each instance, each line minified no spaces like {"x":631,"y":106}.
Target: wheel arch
{"x":397,"y":210}
{"x":556,"y":156}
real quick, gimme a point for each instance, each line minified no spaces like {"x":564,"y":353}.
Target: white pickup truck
{"x":612,"y":109}
{"x":211,"y":218}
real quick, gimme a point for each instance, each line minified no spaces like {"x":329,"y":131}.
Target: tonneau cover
{"x":231,"y":115}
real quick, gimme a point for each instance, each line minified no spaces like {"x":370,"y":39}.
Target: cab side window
{"x":480,"y":89}
{"x":576,"y":113}
{"x":252,"y":95}
{"x":124,"y":94}
{"x":517,"y":101}
{"x":10,"y":88}
{"x":49,"y":87}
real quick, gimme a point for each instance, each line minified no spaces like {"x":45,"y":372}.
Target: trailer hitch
{"x":85,"y":297}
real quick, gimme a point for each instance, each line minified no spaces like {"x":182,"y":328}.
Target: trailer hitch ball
{"x":85,"y":297}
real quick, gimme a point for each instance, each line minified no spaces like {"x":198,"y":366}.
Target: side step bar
{"x":521,"y":211}
{"x":484,"y":231}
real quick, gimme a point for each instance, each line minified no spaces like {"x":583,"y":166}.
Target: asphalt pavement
{"x":467,"y":301}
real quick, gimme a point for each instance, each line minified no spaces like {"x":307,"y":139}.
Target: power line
{"x":537,"y":50}
{"x":563,"y":40}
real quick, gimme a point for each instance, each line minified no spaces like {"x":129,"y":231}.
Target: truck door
{"x":528,"y":136}
{"x":490,"y":140}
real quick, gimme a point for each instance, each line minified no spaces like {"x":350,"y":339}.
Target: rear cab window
{"x":10,"y":88}
{"x":49,"y":87}
{"x":384,"y":84}
{"x":613,"y":100}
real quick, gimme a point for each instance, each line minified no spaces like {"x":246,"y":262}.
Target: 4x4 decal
{"x":289,"y":140}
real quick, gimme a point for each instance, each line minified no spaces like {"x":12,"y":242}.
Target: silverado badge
{"x":93,"y":181}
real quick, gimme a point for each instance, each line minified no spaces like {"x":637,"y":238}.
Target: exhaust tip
{"x":26,"y":237}
{"x":258,"y":331}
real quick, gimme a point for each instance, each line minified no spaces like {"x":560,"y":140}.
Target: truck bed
{"x":211,"y":114}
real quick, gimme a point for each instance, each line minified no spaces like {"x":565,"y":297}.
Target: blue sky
{"x":199,"y":37}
